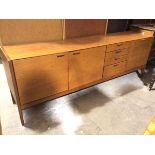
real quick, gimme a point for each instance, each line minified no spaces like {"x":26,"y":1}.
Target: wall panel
{"x":84,"y":27}
{"x":18,"y":31}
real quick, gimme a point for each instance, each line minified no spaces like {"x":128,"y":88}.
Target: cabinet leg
{"x":152,"y":82}
{"x":12,"y":98}
{"x":21,"y":116}
{"x":141,"y":73}
{"x":151,"y":85}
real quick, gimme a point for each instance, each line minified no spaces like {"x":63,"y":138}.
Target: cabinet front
{"x":86,"y":66}
{"x":41,"y":77}
{"x":138,"y":53}
{"x":114,"y":70}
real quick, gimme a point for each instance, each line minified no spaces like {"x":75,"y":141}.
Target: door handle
{"x":119,"y":44}
{"x":59,"y":56}
{"x":115,"y":65}
{"x":118,"y":52}
{"x":76,"y":53}
{"x":117,"y":58}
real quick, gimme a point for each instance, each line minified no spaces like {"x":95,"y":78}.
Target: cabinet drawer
{"x":114,"y":69}
{"x":116,"y":56}
{"x":118,"y":46}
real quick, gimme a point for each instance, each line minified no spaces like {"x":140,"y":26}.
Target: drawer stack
{"x":115,"y":59}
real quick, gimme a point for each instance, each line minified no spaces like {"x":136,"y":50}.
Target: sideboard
{"x":43,"y":71}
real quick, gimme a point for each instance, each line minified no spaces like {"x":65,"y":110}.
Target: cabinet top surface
{"x":14,"y":52}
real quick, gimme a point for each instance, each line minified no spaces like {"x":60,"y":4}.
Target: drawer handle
{"x":59,"y":56}
{"x":118,"y":52}
{"x":117,"y":58}
{"x":76,"y":53}
{"x":115,"y":65}
{"x":119,"y":44}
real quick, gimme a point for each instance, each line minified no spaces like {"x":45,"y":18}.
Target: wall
{"x":18,"y":31}
{"x":117,"y":25}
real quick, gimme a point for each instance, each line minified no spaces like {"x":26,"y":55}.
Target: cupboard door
{"x":138,"y":53}
{"x":40,"y":77}
{"x":86,"y":66}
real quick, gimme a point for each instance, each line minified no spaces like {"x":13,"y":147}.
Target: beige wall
{"x":0,"y":128}
{"x":19,"y":31}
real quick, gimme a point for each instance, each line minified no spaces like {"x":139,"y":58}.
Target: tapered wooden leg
{"x":19,"y":110}
{"x":152,"y":82}
{"x":141,"y":73}
{"x":12,"y":98}
{"x":17,"y":99}
{"x":21,"y":116}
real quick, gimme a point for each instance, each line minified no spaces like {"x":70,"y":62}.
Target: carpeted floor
{"x":120,"y":106}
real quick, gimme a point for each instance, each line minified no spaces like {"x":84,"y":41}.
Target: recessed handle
{"x":115,"y":65}
{"x":118,"y":52}
{"x":59,"y":56}
{"x":119,"y":44}
{"x":76,"y":53}
{"x":117,"y":58}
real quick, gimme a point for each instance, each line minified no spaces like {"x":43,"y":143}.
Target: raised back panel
{"x":84,"y":27}
{"x":19,"y":31}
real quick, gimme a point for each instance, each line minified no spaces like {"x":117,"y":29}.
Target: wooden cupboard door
{"x":138,"y":53}
{"x":86,"y":66}
{"x":40,"y":77}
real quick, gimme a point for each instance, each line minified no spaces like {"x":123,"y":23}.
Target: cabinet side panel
{"x":7,"y":65}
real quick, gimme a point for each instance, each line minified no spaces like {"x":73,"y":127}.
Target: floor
{"x":120,"y":106}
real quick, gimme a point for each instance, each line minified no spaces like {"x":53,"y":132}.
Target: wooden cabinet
{"x":86,"y":66}
{"x":40,"y":77}
{"x":43,"y":71}
{"x":138,"y":53}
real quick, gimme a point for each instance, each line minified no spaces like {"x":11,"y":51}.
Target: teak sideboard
{"x":39,"y":72}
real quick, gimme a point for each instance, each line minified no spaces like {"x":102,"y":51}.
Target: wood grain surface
{"x":84,"y":27}
{"x":21,"y":31}
{"x":44,"y":48}
{"x":40,"y":77}
{"x":86,"y":66}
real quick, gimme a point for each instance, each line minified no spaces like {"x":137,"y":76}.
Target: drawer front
{"x":118,"y":46}
{"x":114,"y":69}
{"x":116,"y":56}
